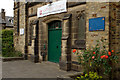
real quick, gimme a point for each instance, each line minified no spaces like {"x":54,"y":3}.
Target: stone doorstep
{"x":64,"y":77}
{"x":74,"y":74}
{"x":69,"y":75}
{"x":4,"y":59}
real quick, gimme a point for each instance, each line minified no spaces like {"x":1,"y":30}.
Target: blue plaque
{"x":97,"y":24}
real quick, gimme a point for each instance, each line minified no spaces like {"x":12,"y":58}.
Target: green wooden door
{"x":54,"y":41}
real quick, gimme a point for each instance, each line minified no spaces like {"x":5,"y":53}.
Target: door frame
{"x":44,"y":23}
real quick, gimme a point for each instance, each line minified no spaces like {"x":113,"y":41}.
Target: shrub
{"x":8,"y":45}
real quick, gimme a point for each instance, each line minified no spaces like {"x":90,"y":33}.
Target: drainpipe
{"x":26,"y":32}
{"x":36,"y":53}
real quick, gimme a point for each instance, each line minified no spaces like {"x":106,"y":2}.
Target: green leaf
{"x":78,"y":77}
{"x":86,"y":75}
{"x":82,"y":76}
{"x":101,"y":77}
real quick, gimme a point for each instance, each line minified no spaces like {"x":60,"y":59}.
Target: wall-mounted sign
{"x":97,"y":24}
{"x":21,"y":31}
{"x":53,"y":8}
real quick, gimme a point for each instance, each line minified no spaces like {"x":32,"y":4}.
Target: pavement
{"x":0,"y":68}
{"x":28,"y":69}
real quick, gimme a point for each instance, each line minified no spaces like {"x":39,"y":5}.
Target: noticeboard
{"x":97,"y":24}
{"x":53,"y":8}
{"x":21,"y":31}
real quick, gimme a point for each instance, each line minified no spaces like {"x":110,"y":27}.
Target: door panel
{"x":54,"y":45}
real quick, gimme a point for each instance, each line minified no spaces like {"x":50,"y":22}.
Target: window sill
{"x":78,"y":47}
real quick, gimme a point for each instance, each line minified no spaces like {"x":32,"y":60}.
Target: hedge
{"x":8,"y":45}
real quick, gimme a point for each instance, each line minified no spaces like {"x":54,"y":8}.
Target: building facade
{"x":6,"y":22}
{"x":53,"y":37}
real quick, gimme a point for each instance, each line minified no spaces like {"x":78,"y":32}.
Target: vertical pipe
{"x":26,"y":31}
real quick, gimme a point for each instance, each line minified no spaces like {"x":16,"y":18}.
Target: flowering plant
{"x":98,"y":59}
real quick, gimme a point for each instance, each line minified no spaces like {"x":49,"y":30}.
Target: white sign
{"x":53,"y":8}
{"x":22,"y":31}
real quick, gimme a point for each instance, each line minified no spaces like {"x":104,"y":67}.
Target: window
{"x":54,"y":25}
{"x":81,"y":28}
{"x":10,"y":20}
{"x":81,"y":33}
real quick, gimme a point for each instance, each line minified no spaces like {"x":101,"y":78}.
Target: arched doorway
{"x":54,"y":41}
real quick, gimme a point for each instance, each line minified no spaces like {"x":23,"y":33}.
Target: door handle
{"x":57,"y":46}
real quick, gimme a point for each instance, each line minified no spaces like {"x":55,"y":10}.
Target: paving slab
{"x":28,"y":69}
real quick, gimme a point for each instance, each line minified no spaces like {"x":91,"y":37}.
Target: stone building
{"x":6,"y":22}
{"x":53,"y":37}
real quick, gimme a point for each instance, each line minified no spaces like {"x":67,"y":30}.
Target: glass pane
{"x":54,"y":25}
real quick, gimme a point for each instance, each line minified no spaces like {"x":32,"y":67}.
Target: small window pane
{"x":54,"y":25}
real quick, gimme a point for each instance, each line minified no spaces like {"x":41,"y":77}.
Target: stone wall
{"x":43,"y":30}
{"x":70,"y":26}
{"x":114,"y":26}
{"x":94,"y":10}
{"x":32,"y":13}
{"x":31,"y":39}
{"x":67,"y":32}
{"x":76,"y":12}
{"x":19,"y":40}
{"x":33,"y":10}
{"x":15,"y":27}
{"x":115,"y":31}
